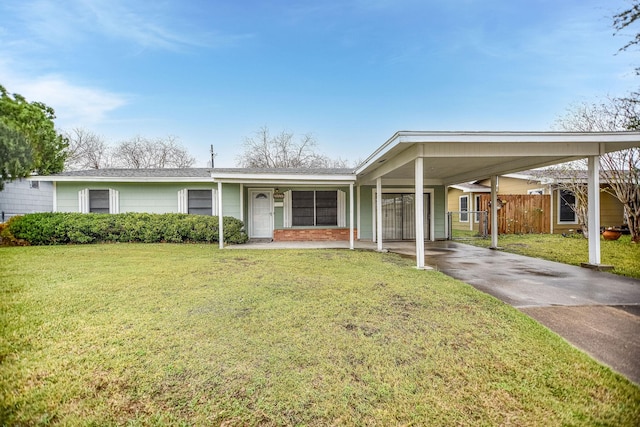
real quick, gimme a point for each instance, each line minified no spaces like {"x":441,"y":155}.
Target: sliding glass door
{"x":399,"y":218}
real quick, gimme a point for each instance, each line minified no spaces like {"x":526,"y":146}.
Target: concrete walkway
{"x":597,"y":312}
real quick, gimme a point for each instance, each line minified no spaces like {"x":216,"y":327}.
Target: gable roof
{"x":131,"y":175}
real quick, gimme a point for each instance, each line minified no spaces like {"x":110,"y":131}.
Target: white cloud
{"x":75,"y":105}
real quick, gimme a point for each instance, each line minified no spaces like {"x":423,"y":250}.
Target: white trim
{"x":53,"y":178}
{"x":575,"y":215}
{"x":358,"y":197}
{"x":464,"y":196}
{"x":429,"y":191}
{"x":220,"y":218}
{"x":83,"y":200}
{"x":419,"y":211}
{"x":476,"y":207}
{"x":183,"y":201}
{"x":341,"y":219}
{"x":114,"y":201}
{"x":536,"y":191}
{"x":287,"y":212}
{"x":351,"y":216}
{"x":593,"y":209}
{"x":214,"y":202}
{"x":251,"y":192}
{"x":283,"y":178}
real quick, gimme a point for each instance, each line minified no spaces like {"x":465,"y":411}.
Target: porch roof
{"x":285,"y":176}
{"x":458,"y":157}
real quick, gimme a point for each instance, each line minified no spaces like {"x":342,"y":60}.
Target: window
{"x":200,"y":202}
{"x":538,"y":191}
{"x":463,"y":205}
{"x":566,"y":206}
{"x":477,"y":208}
{"x":34,"y":185}
{"x":310,"y":208}
{"x":99,"y":201}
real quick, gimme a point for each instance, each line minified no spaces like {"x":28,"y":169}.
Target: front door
{"x":261,"y":214}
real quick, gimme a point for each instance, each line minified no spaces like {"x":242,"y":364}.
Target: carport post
{"x":379,"y":213}
{"x":220,"y":221}
{"x":351,"y":216}
{"x":419,"y":178}
{"x":494,"y":212}
{"x":593,"y":214}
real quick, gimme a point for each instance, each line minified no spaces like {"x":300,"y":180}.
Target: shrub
{"x":63,"y":228}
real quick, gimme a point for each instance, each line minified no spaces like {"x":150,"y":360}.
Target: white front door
{"x":261,"y":214}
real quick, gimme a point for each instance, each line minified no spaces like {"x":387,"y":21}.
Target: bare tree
{"x":144,"y":153}
{"x":86,"y":150}
{"x":621,"y":170}
{"x":281,"y":151}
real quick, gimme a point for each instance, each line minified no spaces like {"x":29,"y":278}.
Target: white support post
{"x":494,"y":212}
{"x":593,"y":214}
{"x":220,"y":221}
{"x":351,"y":216}
{"x":358,"y":227}
{"x":419,"y":201}
{"x":379,"y":213}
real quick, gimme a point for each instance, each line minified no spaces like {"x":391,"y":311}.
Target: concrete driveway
{"x":597,"y":312}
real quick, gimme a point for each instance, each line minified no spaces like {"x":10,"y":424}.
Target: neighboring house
{"x":24,"y":196}
{"x":398,"y":193}
{"x":562,"y":218}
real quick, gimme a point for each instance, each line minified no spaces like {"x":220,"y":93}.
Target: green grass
{"x":622,"y":253}
{"x":136,"y":334}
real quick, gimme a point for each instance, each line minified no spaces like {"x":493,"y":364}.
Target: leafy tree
{"x":264,"y":150}
{"x":620,"y":170}
{"x":34,"y":121}
{"x":15,"y":155}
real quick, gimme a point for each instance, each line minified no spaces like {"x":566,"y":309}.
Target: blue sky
{"x":350,"y":72}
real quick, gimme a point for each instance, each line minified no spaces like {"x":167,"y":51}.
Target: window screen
{"x":567,"y":204}
{"x":99,"y":201}
{"x":309,"y":208}
{"x":200,"y":202}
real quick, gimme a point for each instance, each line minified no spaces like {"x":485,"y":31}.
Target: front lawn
{"x":163,"y":334}
{"x":574,"y":249}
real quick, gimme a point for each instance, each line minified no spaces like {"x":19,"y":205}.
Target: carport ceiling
{"x":457,"y":157}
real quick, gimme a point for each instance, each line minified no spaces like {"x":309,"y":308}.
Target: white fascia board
{"x":117,"y":179}
{"x":502,"y":137}
{"x":469,"y":189}
{"x":272,"y":182}
{"x":253,"y":178}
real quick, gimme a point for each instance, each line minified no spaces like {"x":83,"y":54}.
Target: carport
{"x":449,"y":158}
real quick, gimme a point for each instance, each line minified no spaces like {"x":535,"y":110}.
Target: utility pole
{"x":213,"y":156}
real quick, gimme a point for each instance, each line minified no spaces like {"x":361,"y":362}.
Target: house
{"x":561,"y":217}
{"x":397,"y":193}
{"x":24,"y":196}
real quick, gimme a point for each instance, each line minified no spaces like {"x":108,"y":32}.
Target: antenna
{"x":213,"y":156}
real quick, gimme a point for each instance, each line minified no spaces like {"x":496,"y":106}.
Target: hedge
{"x":74,"y":228}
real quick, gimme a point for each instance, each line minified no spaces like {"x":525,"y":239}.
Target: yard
{"x":573,"y":249}
{"x":142,"y":334}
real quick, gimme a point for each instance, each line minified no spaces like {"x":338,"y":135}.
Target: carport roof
{"x":458,"y":157}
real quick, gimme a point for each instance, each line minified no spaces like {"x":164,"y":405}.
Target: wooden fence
{"x":520,"y":214}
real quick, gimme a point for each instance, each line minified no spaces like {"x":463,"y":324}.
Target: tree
{"x":86,"y":150}
{"x":15,"y":155}
{"x":34,"y":121}
{"x":624,"y":19}
{"x":620,"y":170}
{"x":281,"y":151}
{"x":145,"y":153}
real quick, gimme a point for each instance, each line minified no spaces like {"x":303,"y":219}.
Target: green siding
{"x":134,"y":197}
{"x":231,"y":200}
{"x":367,"y":206}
